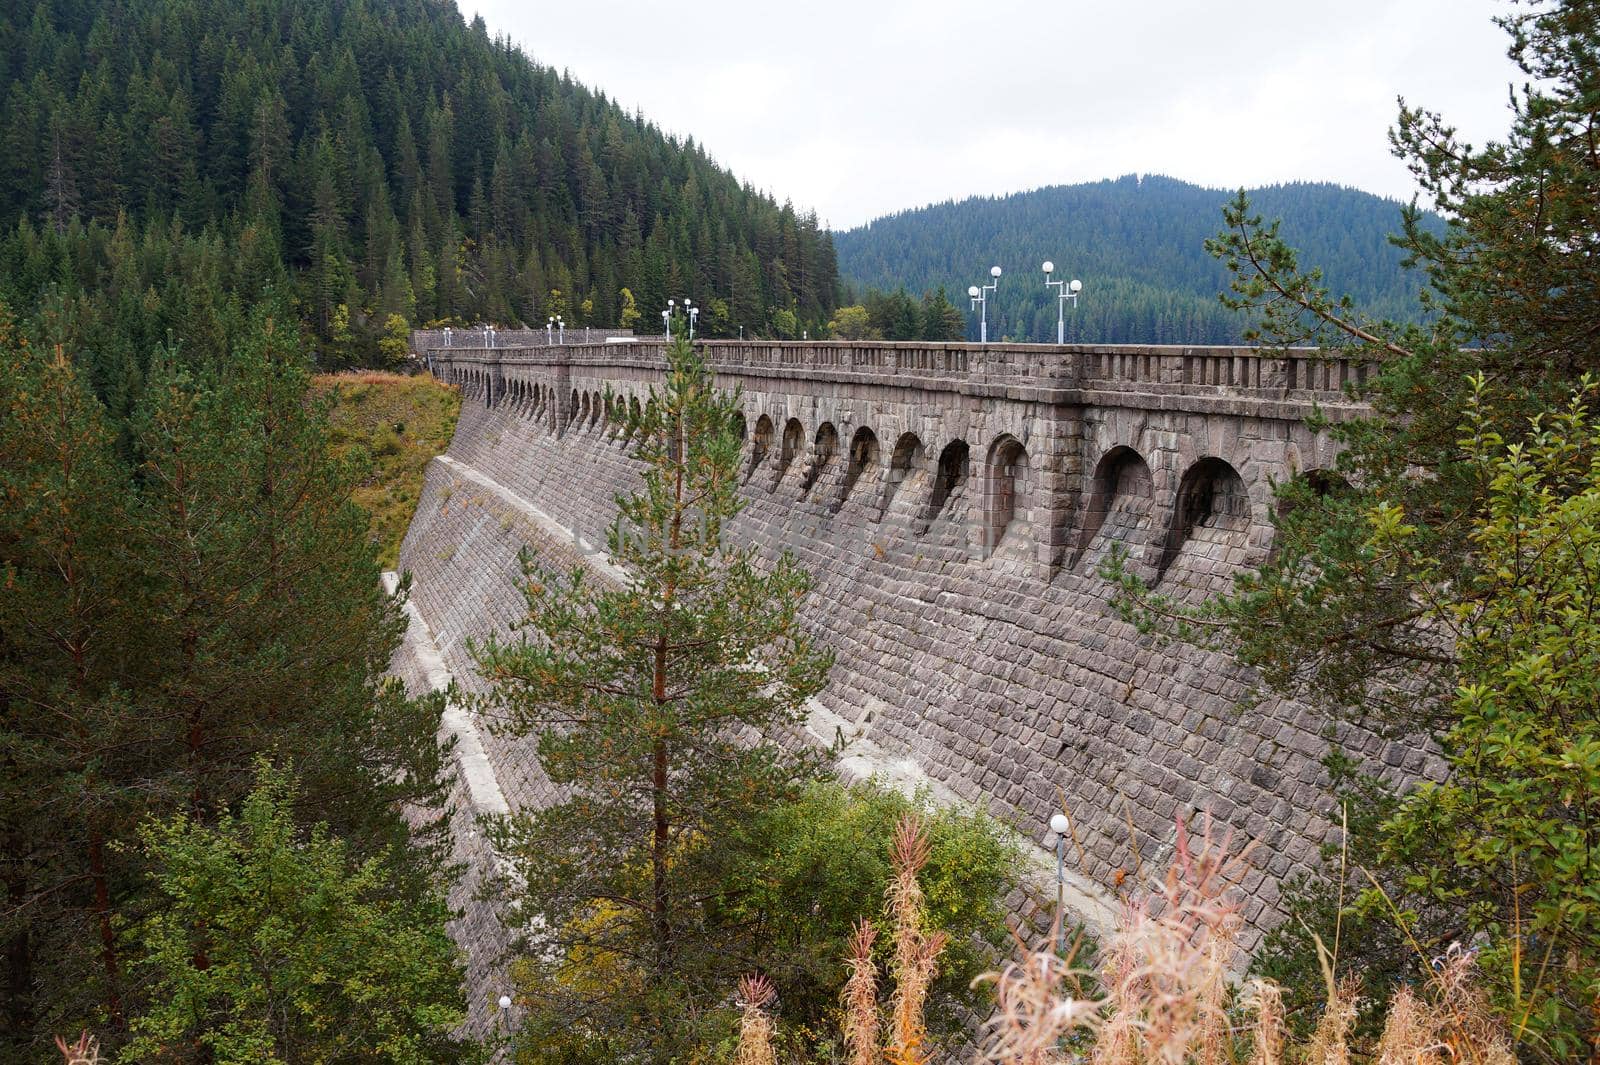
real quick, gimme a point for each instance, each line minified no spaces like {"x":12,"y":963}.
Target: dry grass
{"x":86,"y":1051}
{"x":861,"y":998}
{"x":1169,"y":1000}
{"x":755,"y":1026}
{"x":1269,"y":1033}
{"x":1410,"y":1034}
{"x":401,"y":423}
{"x":916,"y":952}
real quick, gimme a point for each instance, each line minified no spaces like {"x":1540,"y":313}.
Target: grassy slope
{"x":400,"y":422}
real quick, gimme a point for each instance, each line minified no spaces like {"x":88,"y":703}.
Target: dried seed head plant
{"x":755,"y":1026}
{"x":86,"y":1051}
{"x":916,"y":952}
{"x":1410,"y":1033}
{"x":1471,"y":1032}
{"x":1165,"y":971}
{"x":1330,"y":1043}
{"x":1172,"y":955}
{"x":1267,"y":1035}
{"x":1039,"y":1001}
{"x":861,"y":998}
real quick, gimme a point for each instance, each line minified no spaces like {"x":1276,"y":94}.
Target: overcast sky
{"x":858,"y":109}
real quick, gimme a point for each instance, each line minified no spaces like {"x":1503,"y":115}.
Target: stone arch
{"x":863,"y":461}
{"x":1121,"y":502}
{"x":597,"y":409}
{"x":761,"y":447}
{"x":1208,"y":537}
{"x":823,"y":449}
{"x":903,"y":460}
{"x":619,"y":417}
{"x":740,"y":427}
{"x":1007,"y":492}
{"x":949,"y":478}
{"x":794,"y":436}
{"x":1323,"y":483}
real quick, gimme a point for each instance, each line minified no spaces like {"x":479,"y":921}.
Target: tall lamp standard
{"x":1065,"y":290}
{"x":980,"y":301}
{"x":561,"y":330}
{"x":666,"y":318}
{"x":1058,"y":828}
{"x":549,"y":327}
{"x":693,"y":312}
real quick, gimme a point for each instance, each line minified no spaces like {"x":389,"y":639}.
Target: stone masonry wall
{"x":976,"y":646}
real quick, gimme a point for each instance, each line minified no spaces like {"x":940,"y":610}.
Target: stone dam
{"x":954,"y":502}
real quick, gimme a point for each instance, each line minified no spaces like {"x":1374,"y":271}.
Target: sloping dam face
{"x":953,"y":503}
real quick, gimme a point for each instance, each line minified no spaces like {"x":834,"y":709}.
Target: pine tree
{"x":659,"y":704}
{"x":66,"y":727}
{"x":178,"y":602}
{"x":1436,"y":583}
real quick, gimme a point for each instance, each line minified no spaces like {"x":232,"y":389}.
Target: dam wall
{"x":953,"y":503}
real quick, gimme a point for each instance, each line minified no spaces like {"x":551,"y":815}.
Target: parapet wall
{"x":953,"y":503}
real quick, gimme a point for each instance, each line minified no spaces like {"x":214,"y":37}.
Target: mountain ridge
{"x":384,"y":158}
{"x":1137,"y":242}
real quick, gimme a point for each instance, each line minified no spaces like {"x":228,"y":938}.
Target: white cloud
{"x":860,"y":108}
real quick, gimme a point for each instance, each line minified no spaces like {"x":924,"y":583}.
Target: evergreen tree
{"x":1436,"y":583}
{"x":1138,"y":244}
{"x":181,"y":599}
{"x":281,"y":151}
{"x":940,"y":318}
{"x":658,"y":706}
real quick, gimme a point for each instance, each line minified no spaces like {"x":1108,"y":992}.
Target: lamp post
{"x":693,"y":312}
{"x":549,"y":325}
{"x":500,"y":1018}
{"x":666,"y":318}
{"x":1065,"y":290}
{"x":1058,"y":828}
{"x":980,"y":301}
{"x":561,"y":330}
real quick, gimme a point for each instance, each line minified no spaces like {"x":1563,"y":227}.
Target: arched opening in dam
{"x":1209,"y":535}
{"x":794,"y":436}
{"x":1121,"y":498}
{"x":863,"y":463}
{"x":903,"y":461}
{"x":761,"y":447}
{"x":950,"y":478}
{"x":822,"y":452}
{"x":1005,"y":493}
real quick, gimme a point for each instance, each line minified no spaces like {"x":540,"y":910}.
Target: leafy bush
{"x":810,"y":870}
{"x":267,"y":945}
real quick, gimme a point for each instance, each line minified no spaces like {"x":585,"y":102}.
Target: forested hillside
{"x":1139,"y":247}
{"x":378,"y":159}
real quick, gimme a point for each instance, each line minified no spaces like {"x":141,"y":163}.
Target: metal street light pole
{"x":561,"y":329}
{"x":1065,"y":290}
{"x":693,"y":312}
{"x":980,"y":300}
{"x":549,"y":327}
{"x":1059,"y":826}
